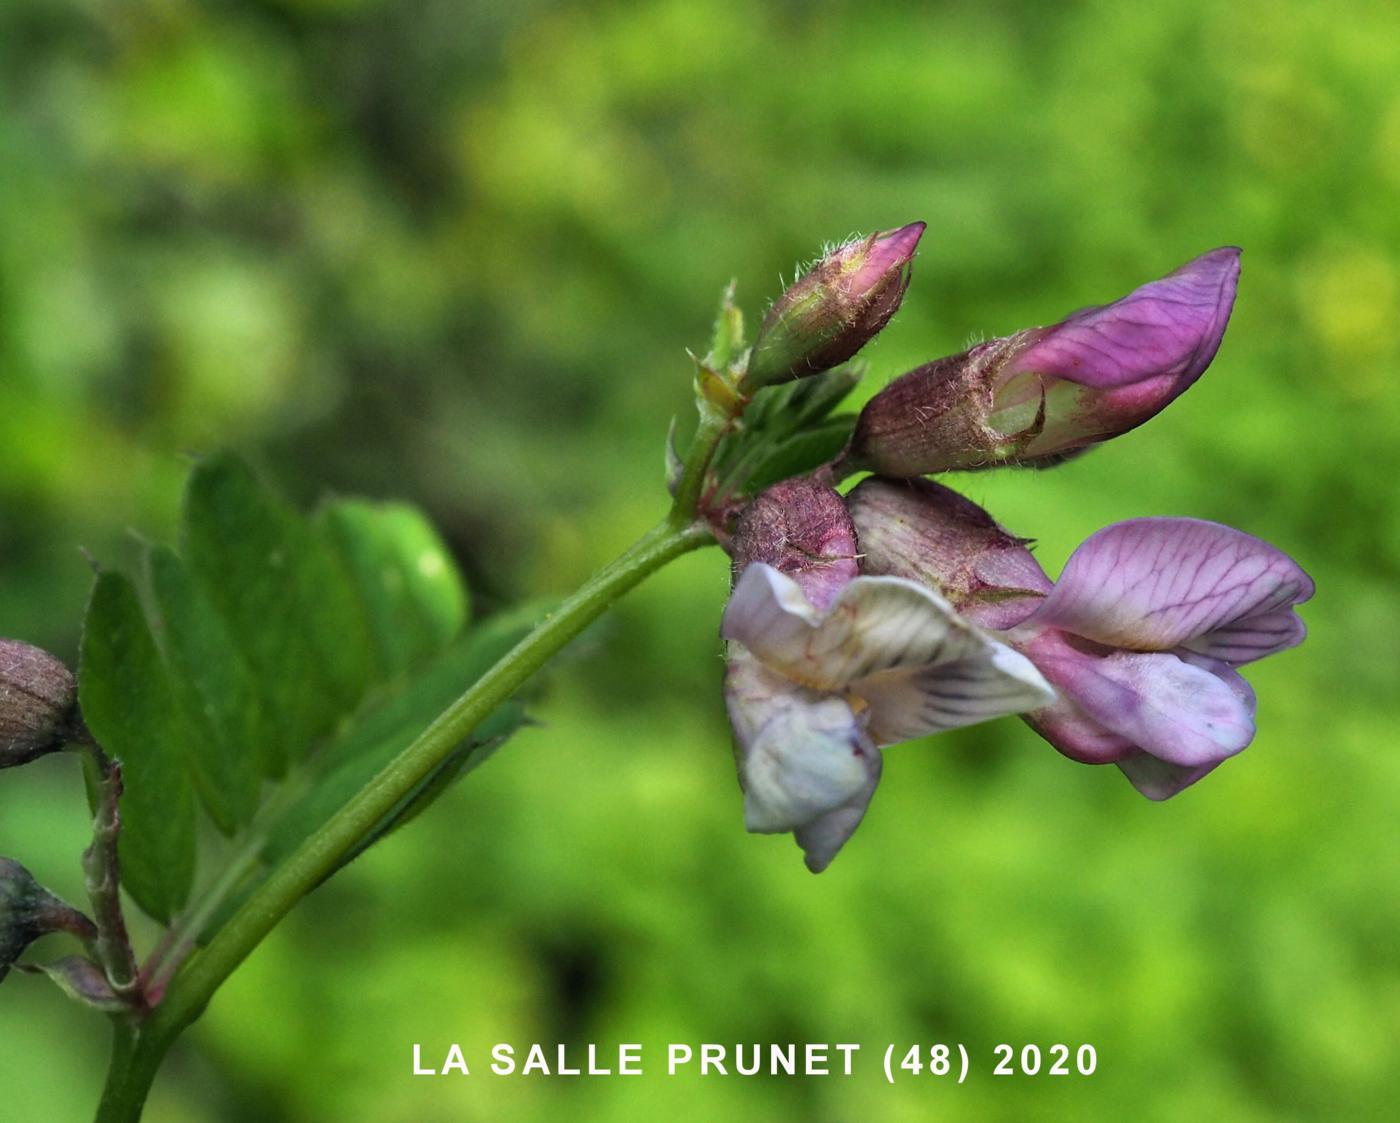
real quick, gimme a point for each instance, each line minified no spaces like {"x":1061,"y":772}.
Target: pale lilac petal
{"x":1170,"y":328}
{"x":767,"y":610}
{"x":1159,"y":583}
{"x":1160,"y":779}
{"x":1078,"y":736}
{"x":914,"y":702}
{"x":875,"y":624}
{"x":1244,"y":641}
{"x":801,"y":755}
{"x":824,"y":836}
{"x":1163,"y":705}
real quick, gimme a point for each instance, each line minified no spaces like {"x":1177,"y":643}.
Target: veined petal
{"x":1170,"y":708}
{"x":1169,"y":328}
{"x":987,"y":683}
{"x":1158,"y":583}
{"x":875,"y":624}
{"x":800,"y":755}
{"x":1243,"y":641}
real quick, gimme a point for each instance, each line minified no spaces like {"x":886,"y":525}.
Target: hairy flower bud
{"x":929,"y":533}
{"x":802,"y":529}
{"x":834,"y":309}
{"x":1041,"y":394}
{"x":37,"y":695}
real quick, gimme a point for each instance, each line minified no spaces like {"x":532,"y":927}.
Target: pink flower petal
{"x":1173,"y":709}
{"x":1169,"y":328}
{"x":1159,"y":583}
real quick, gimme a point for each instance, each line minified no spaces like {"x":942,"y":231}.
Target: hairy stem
{"x":111,"y":945}
{"x":139,"y":1046}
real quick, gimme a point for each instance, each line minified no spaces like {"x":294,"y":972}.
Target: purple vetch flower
{"x":1044,"y":393}
{"x":1140,"y":636}
{"x":824,"y":667}
{"x":834,"y":309}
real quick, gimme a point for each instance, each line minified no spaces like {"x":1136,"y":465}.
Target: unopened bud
{"x":802,"y":529}
{"x":1042,"y":394}
{"x":37,"y":695}
{"x":834,"y":309}
{"x":928,"y":533}
{"x":28,"y":911}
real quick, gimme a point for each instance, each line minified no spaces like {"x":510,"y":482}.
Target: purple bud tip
{"x":1045,"y":393}
{"x":1168,"y":330}
{"x":891,"y":249}
{"x":835,"y":308}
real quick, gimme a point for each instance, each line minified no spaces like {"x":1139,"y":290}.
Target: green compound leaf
{"x":413,"y":596}
{"x":130,"y":707}
{"x":305,"y":651}
{"x":216,"y":687}
{"x":286,"y":599}
{"x":384,"y":731}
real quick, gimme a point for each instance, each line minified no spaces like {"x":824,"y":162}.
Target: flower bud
{"x":37,"y":695}
{"x":28,"y":911}
{"x":800,"y":528}
{"x":834,"y":309}
{"x":1045,"y":393}
{"x":928,"y":533}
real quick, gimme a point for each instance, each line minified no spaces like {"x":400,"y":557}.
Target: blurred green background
{"x":454,"y":253}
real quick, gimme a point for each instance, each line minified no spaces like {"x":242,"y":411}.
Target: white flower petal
{"x":824,"y":836}
{"x":875,"y":624}
{"x":987,"y":683}
{"x":800,"y":755}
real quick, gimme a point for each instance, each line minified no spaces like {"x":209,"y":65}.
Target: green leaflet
{"x":412,"y":594}
{"x":802,"y":452}
{"x":783,"y":432}
{"x":286,"y":599}
{"x":277,"y":643}
{"x":215,"y":685}
{"x":128,"y":703}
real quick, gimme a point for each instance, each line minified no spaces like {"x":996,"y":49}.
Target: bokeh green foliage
{"x":452,"y":253}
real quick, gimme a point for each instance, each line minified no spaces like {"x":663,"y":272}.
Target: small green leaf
{"x":813,"y":398}
{"x":413,"y":595}
{"x":801,"y":453}
{"x":727,"y":341}
{"x":287,"y":601}
{"x":216,"y":687}
{"x":128,"y":703}
{"x":791,"y":406}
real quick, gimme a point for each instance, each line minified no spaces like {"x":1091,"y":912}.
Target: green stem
{"x":139,"y":1048}
{"x":714,"y":424}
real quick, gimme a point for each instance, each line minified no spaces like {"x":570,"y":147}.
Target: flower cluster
{"x":902,"y":608}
